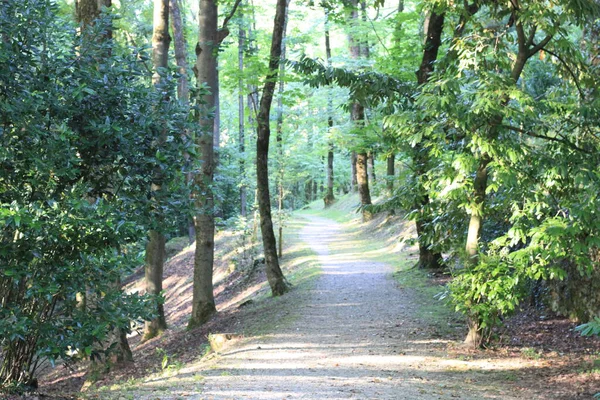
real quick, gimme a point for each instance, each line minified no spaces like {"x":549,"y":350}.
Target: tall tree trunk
{"x":242,"y":135}
{"x":279,"y":138}
{"x":329,"y":198}
{"x":275,"y":276}
{"x":526,"y":49}
{"x":363,"y":184}
{"x":357,"y":113}
{"x":353,"y":180}
{"x":390,"y":160}
{"x":155,"y":249}
{"x":155,"y":257}
{"x":253,"y":99}
{"x":86,"y":11}
{"x":183,"y":87}
{"x":428,"y":258}
{"x":372,"y":174}
{"x":203,"y":302}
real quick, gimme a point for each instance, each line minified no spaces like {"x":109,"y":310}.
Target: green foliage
{"x":80,"y":139}
{"x":591,"y":328}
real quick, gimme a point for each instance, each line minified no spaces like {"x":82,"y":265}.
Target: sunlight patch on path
{"x":357,"y":337}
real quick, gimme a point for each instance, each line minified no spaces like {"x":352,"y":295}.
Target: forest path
{"x":356,"y":336}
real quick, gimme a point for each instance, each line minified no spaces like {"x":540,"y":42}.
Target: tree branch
{"x":531,"y":35}
{"x":541,"y":45}
{"x":569,"y":70}
{"x":561,"y":140}
{"x":233,"y":10}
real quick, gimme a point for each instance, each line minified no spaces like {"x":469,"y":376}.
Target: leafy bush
{"x":79,"y":124}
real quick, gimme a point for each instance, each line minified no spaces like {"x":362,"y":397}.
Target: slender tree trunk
{"x":391,"y":160}
{"x":183,"y":88}
{"x":86,"y":11}
{"x":203,"y":302}
{"x":155,"y":249}
{"x":253,"y":99}
{"x":372,"y":174}
{"x":525,"y":51}
{"x":363,"y":184}
{"x":274,"y":274}
{"x":242,"y":138}
{"x":428,"y":258}
{"x":357,"y":113}
{"x":155,"y":258}
{"x":329,"y":198}
{"x":279,"y":138}
{"x":354,"y":181}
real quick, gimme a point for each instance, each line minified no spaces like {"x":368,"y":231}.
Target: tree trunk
{"x":155,"y":258}
{"x":203,"y":302}
{"x":183,"y":88}
{"x":155,"y":249}
{"x":329,"y":198}
{"x":279,"y":138}
{"x":362,"y":177}
{"x":363,"y":184}
{"x":357,"y":115}
{"x":275,"y":276}
{"x":525,"y":51}
{"x":241,"y":137}
{"x":372,"y":175}
{"x":428,"y":258}
{"x":353,"y":182}
{"x":391,"y":159}
{"x":86,"y":11}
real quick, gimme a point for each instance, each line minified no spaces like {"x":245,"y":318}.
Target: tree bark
{"x":526,"y":49}
{"x":203,"y":302}
{"x":279,"y":139}
{"x":241,"y":120}
{"x":363,"y":184}
{"x":428,"y":258}
{"x":329,"y":198}
{"x":155,"y":249}
{"x":275,"y":276}
{"x":371,"y":159}
{"x":86,"y":11}
{"x":155,"y":258}
{"x":391,"y":166}
{"x":357,"y":115}
{"x":354,"y":181}
{"x":183,"y":87}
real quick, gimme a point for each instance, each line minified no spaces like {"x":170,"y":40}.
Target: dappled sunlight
{"x":353,"y":334}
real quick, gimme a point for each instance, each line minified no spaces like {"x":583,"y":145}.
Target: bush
{"x":79,"y":124}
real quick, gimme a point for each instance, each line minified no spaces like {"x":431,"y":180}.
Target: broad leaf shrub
{"x":78,"y":150}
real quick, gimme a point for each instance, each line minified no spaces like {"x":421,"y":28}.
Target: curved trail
{"x":356,"y":337}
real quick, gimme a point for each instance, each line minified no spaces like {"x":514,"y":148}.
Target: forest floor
{"x":359,"y":323}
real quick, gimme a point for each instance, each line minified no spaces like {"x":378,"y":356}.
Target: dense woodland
{"x":126,"y":123}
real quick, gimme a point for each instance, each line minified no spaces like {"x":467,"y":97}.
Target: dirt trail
{"x":356,"y":337}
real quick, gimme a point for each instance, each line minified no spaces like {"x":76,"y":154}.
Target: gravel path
{"x":357,"y":337}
